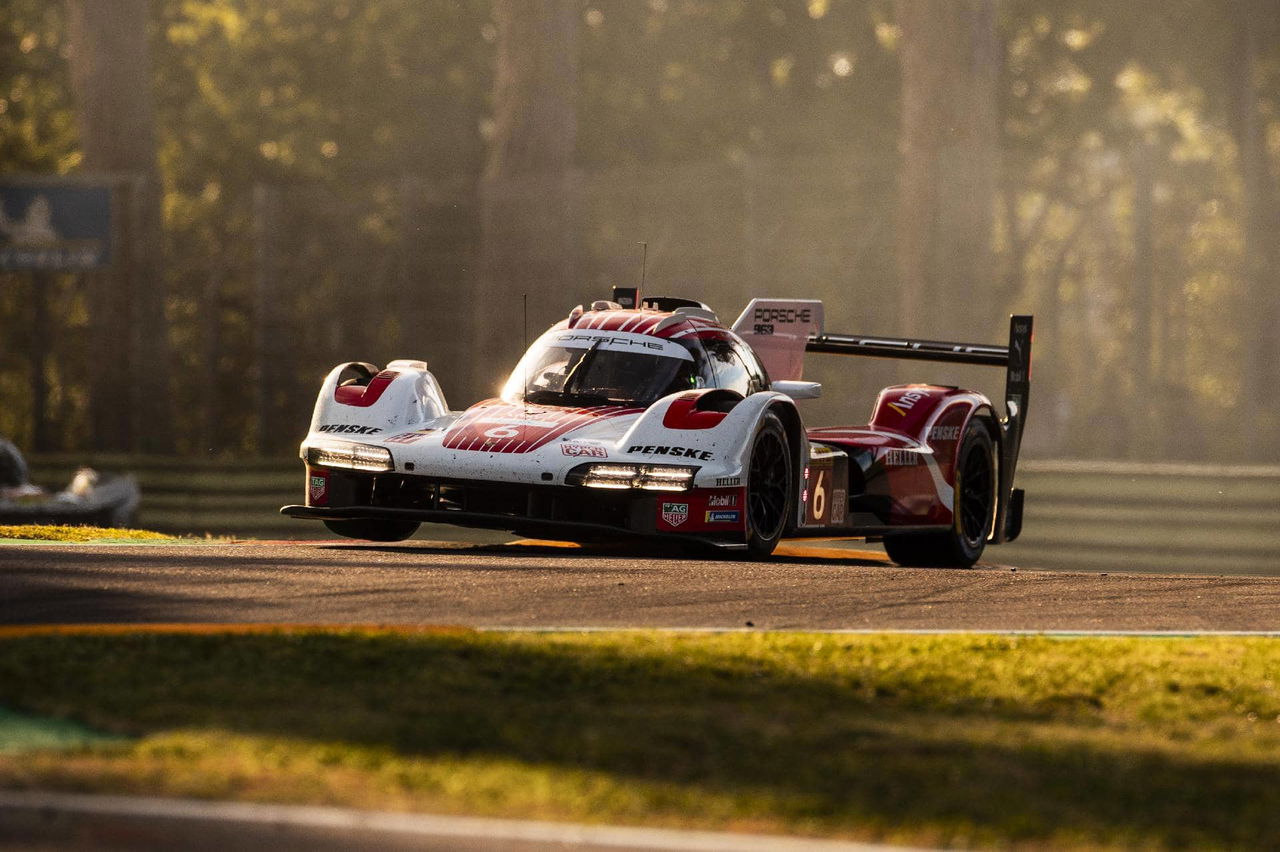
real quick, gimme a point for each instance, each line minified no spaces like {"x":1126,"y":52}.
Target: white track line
{"x":420,"y":825}
{"x":873,"y":631}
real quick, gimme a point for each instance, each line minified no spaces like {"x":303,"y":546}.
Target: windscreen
{"x":601,"y":368}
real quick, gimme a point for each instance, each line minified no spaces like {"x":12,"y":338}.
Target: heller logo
{"x":675,"y":514}
{"x":900,"y":458}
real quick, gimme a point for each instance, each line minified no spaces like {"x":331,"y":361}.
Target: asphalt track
{"x":545,"y":586}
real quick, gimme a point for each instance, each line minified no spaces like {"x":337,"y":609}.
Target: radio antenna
{"x":524,"y":329}
{"x":644,"y":263}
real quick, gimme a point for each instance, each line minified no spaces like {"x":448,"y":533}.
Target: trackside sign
{"x":54,"y":226}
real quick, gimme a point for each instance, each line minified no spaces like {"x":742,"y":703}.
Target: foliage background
{"x":321,"y":166}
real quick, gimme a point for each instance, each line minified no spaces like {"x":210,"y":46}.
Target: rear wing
{"x":1015,"y":358}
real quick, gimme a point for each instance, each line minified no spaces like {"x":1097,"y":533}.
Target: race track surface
{"x":531,"y":586}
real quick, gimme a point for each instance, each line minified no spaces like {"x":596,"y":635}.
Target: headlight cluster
{"x":353,"y":456}
{"x":649,"y":477}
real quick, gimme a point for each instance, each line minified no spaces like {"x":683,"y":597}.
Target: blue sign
{"x":54,"y":226}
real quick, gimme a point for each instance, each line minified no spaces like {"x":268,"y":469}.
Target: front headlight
{"x":351,"y":456}
{"x":648,"y":477}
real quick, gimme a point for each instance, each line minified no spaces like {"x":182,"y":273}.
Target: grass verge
{"x":944,"y":740}
{"x":50,"y":532}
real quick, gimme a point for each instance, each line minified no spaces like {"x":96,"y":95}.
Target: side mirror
{"x":798,"y":390}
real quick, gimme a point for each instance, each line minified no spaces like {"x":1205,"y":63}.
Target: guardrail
{"x":1080,"y":515}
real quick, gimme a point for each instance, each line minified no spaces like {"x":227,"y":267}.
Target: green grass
{"x":946,"y":740}
{"x":46,"y":532}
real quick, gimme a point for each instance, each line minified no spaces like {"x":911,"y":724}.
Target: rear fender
{"x":936,"y":419}
{"x":402,"y":396}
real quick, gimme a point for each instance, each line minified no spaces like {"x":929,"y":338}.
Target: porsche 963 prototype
{"x":656,"y":419}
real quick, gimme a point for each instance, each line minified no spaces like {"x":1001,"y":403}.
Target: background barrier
{"x":1081,"y":515}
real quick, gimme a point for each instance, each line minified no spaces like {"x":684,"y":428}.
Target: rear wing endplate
{"x":1015,"y":358}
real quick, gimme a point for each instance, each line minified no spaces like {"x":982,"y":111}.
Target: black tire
{"x":975,"y":504}
{"x":770,"y":488}
{"x":371,"y":530}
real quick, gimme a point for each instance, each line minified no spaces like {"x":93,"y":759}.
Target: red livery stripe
{"x":497,"y":427}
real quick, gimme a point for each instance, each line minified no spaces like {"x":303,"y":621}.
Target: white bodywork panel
{"x":778,"y":330}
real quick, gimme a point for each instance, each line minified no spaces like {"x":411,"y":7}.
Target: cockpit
{"x":583,"y":368}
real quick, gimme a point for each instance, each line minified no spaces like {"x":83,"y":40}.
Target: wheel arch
{"x":793,"y":428}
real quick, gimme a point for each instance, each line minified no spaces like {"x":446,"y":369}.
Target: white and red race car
{"x":659,"y":420}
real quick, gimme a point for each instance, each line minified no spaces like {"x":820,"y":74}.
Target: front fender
{"x":725,"y":441}
{"x":403,"y":396}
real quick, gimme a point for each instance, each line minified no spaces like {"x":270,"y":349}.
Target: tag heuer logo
{"x":675,"y":514}
{"x":319,"y":485}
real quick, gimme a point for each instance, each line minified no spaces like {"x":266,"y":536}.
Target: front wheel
{"x":770,"y":491}
{"x":371,"y":530}
{"x":974,"y":511}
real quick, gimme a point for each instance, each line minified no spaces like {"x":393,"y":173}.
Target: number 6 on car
{"x":660,"y":421}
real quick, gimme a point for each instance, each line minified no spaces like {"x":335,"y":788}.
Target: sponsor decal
{"x":839,"y":505}
{"x":611,"y":341}
{"x":787,"y":316}
{"x":570,"y":448}
{"x":724,"y":516}
{"x":728,"y":481}
{"x":719,"y":501}
{"x":348,"y":429}
{"x":317,"y":489}
{"x":407,"y":437}
{"x":678,"y":452}
{"x":944,"y":433}
{"x":675,"y":514}
{"x":906,"y":402}
{"x":900,"y":458}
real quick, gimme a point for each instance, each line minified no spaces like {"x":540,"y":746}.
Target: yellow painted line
{"x":539,"y":542}
{"x":810,"y":552}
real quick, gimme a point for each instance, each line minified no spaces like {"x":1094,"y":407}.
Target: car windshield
{"x":601,"y":369}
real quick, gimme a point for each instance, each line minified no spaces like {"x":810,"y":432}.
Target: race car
{"x":652,"y":418}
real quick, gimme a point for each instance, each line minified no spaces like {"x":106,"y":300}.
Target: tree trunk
{"x":111,"y":76}
{"x":1261,"y":215}
{"x":950,"y":158}
{"x":529,"y":192}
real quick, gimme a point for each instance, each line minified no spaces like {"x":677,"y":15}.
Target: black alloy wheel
{"x":974,"y":511}
{"x":770,"y":489}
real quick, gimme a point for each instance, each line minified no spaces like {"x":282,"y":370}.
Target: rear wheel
{"x":769,"y":488}
{"x":371,"y":530}
{"x":975,"y":509}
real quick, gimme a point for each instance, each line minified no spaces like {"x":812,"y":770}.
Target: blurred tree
{"x":950,"y":155}
{"x":111,"y":74}
{"x":530,"y":196}
{"x":1254,"y":23}
{"x":753,"y":144}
